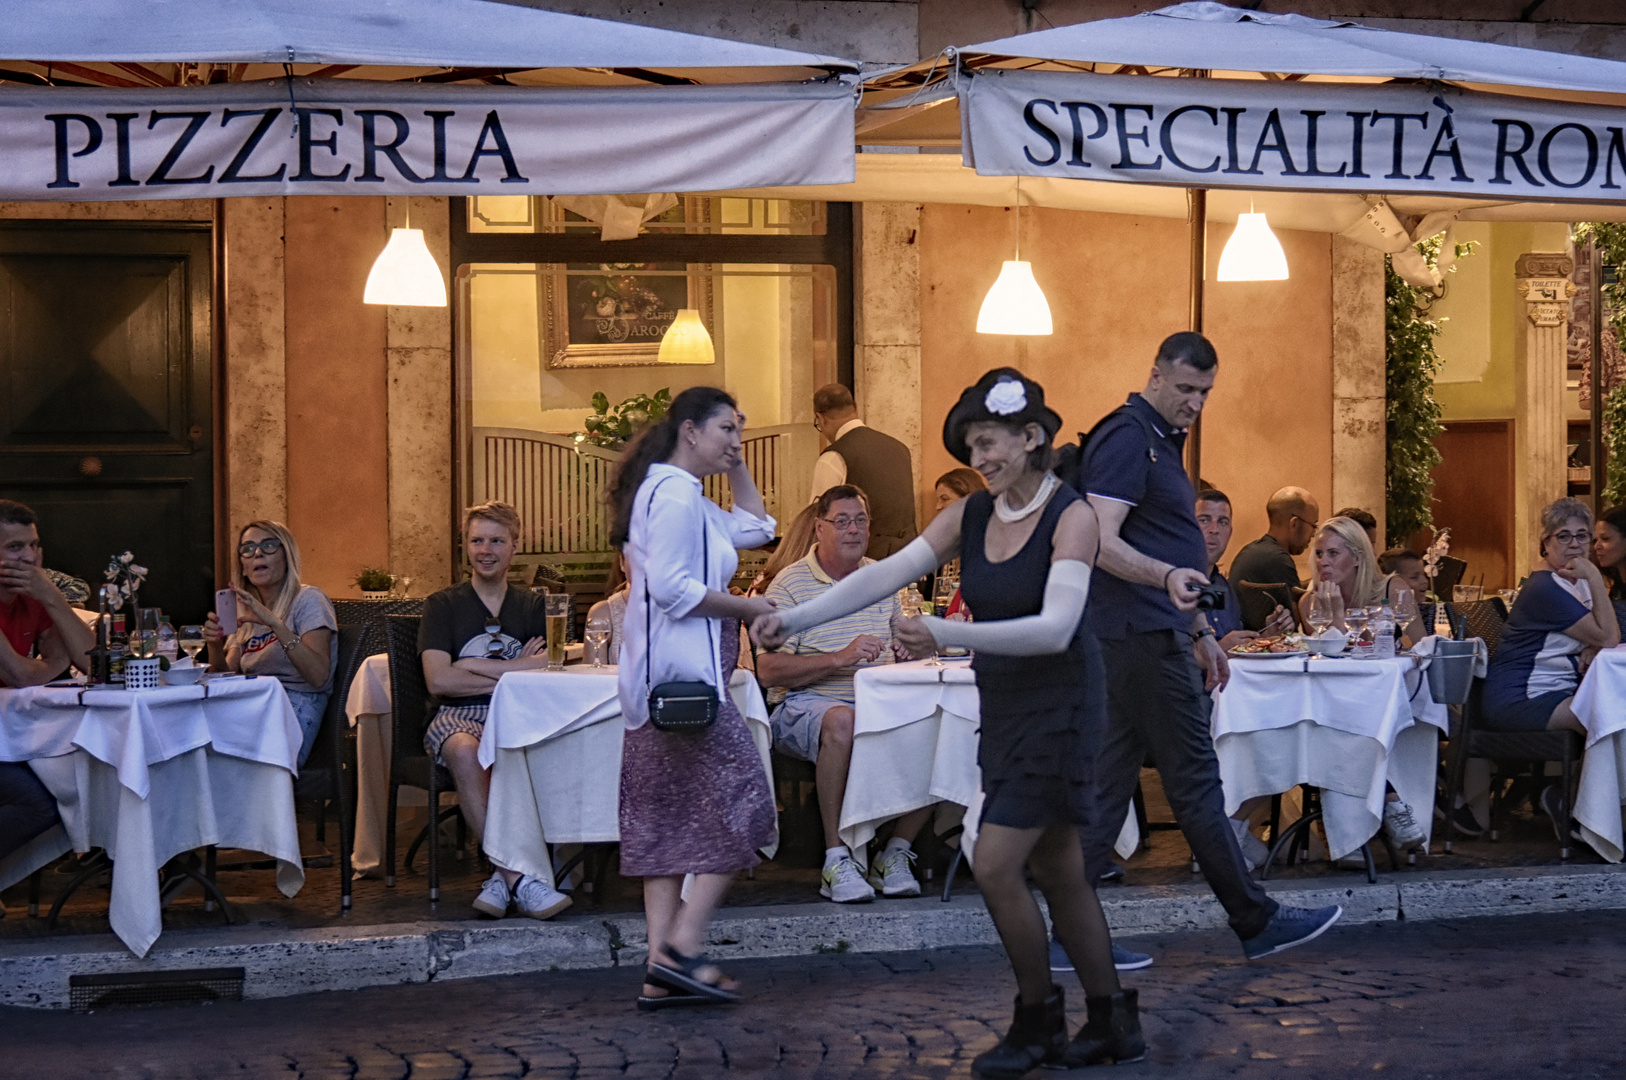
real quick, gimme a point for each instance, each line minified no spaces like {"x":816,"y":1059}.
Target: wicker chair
{"x":329,"y":775}
{"x":1470,"y":740}
{"x":410,"y":764}
{"x":370,"y":615}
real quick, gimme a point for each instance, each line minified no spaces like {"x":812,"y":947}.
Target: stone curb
{"x":278,"y":962}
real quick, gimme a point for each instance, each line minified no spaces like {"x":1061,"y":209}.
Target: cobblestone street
{"x":1476,"y":998}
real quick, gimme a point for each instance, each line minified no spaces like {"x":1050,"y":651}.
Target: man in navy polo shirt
{"x":1143,"y":608}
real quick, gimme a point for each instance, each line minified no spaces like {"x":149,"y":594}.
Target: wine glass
{"x":145,"y":643}
{"x":1320,"y":614}
{"x":191,"y":642}
{"x":1355,"y":621}
{"x":597,"y":638}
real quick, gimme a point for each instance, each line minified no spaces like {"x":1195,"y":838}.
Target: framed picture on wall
{"x":615,"y":314}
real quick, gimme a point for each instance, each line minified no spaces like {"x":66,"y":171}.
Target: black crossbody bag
{"x":678,"y":706}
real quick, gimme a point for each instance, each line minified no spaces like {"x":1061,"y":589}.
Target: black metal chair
{"x":329,"y":774}
{"x":370,"y":616}
{"x":410,"y":764}
{"x":1469,"y":739}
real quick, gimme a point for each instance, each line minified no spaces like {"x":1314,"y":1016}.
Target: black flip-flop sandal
{"x":678,"y":976}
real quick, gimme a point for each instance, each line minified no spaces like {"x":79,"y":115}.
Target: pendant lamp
{"x":405,"y":274}
{"x":686,"y":341}
{"x":1015,"y":304}
{"x":1252,"y":253}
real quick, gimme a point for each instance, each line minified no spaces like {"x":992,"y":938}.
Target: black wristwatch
{"x":1207,"y":631}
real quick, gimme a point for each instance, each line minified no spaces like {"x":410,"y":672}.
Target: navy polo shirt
{"x":1119,"y":464}
{"x":1229,"y":618}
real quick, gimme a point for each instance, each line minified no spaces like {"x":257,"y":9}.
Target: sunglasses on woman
{"x":248,"y":548}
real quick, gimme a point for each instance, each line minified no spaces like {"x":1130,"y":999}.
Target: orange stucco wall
{"x":1117,"y":286}
{"x":338,"y":483}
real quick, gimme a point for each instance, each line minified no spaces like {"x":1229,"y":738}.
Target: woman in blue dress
{"x":1026,"y":548}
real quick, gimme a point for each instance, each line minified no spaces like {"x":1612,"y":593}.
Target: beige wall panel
{"x":256,"y":374}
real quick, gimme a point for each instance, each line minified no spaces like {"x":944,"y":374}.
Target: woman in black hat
{"x":1026,"y":546}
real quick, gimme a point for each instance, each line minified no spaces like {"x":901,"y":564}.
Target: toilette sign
{"x":1409,"y":138}
{"x":333,"y":137}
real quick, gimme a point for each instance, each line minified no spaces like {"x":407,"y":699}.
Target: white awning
{"x":484,"y":34}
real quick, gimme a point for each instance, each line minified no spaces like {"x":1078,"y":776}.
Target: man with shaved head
{"x":1294,"y":515}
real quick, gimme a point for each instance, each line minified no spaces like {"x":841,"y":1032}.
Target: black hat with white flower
{"x":1004,"y":396}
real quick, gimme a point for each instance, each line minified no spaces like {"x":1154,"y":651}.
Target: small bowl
{"x":183,"y":676}
{"x":1330,"y":644}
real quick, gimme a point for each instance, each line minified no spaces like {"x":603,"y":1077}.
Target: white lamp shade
{"x":405,"y":273}
{"x":1015,"y":304}
{"x":686,"y":341}
{"x":1252,"y":253}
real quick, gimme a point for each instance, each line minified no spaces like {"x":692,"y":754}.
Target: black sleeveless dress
{"x":1042,"y":716}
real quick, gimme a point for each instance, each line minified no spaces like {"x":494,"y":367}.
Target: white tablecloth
{"x":1344,"y":726}
{"x":915,"y":736}
{"x":1600,"y":704}
{"x":147,"y":776}
{"x":553,"y":741}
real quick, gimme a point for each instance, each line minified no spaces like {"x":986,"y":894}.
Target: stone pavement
{"x":1486,"y":998}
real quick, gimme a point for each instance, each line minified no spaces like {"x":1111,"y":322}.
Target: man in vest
{"x":867,"y":459}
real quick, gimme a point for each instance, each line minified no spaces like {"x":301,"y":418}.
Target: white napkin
{"x":1425,"y":649}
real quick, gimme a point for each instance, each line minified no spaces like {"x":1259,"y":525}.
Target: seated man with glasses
{"x":1294,"y":515}
{"x":815,"y":720}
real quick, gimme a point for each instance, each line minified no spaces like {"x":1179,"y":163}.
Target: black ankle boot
{"x":1038,"y":1036}
{"x":1112,"y":1032}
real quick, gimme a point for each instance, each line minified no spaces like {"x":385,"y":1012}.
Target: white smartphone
{"x":226,"y":611}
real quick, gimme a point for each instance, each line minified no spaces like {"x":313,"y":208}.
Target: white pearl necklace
{"x":1002,"y":506}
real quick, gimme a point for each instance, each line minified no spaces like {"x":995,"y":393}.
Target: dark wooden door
{"x":105,"y":399}
{"x":1473,"y":495}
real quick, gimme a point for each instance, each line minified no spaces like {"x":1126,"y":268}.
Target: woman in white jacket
{"x":692,"y":802}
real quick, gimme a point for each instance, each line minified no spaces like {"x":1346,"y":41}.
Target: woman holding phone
{"x":276,"y":626}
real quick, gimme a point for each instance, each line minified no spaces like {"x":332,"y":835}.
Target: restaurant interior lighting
{"x":1252,"y":253}
{"x":686,"y":341}
{"x":1015,"y":304}
{"x":405,"y":273}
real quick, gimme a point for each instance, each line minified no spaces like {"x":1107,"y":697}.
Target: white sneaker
{"x":538,"y":899}
{"x":494,"y":897}
{"x":891,"y":873}
{"x":842,"y":883}
{"x":1401,"y":825}
{"x":1254,"y":851}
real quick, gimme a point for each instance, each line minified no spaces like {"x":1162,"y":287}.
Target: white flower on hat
{"x":1007,"y":397}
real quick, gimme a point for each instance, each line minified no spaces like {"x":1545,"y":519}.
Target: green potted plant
{"x":612,"y":427}
{"x":375,"y":584}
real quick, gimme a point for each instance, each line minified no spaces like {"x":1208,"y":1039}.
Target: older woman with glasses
{"x":285,"y":628}
{"x":1562,"y":617}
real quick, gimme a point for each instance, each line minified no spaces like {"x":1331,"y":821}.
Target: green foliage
{"x":374,"y":579}
{"x":1413,"y":416}
{"x":611,"y":428}
{"x":1610,"y":238}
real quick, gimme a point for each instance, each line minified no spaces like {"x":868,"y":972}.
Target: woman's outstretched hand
{"x":914,"y":638}
{"x":768,"y":631}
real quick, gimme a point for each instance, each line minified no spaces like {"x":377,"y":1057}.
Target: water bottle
{"x":169,"y":646}
{"x":1383,"y":633}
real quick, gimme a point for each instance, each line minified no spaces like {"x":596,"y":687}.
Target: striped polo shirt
{"x":802,"y":581}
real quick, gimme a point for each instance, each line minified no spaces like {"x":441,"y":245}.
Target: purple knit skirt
{"x":695,"y":802}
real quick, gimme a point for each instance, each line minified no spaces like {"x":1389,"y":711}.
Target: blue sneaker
{"x":1290,"y":926}
{"x":1122,"y":959}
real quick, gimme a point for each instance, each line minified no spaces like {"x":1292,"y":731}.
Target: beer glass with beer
{"x":556,"y":607}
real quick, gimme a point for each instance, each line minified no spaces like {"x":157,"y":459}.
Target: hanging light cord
{"x":1018,"y":218}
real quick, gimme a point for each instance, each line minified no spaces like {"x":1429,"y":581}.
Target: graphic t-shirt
{"x":264,"y":655}
{"x":455,"y":622}
{"x":1535,"y":656}
{"x":23,"y":621}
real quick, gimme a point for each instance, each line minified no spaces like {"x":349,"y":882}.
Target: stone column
{"x":1359,"y":402}
{"x":886,"y":362}
{"x":1539,"y":432}
{"x":418,"y":345}
{"x":256,"y":363}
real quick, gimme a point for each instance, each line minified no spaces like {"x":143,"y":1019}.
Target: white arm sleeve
{"x":1065,"y":591}
{"x":863,"y":587}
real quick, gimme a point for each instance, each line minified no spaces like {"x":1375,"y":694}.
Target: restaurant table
{"x":1600,"y":704}
{"x":367,"y":705}
{"x":553,"y":743}
{"x":1345,"y":726}
{"x":146,"y":776}
{"x":915,"y":737}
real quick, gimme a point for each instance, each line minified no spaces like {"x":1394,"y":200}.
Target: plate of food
{"x":1276,"y":647}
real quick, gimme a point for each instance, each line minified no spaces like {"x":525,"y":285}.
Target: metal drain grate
{"x":153,"y":989}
